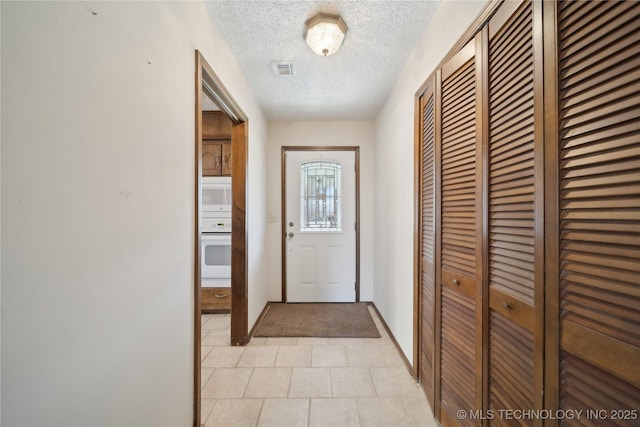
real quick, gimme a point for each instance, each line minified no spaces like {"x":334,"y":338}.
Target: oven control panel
{"x":216,"y":225}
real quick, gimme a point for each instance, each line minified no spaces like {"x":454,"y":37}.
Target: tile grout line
{"x":259,"y":412}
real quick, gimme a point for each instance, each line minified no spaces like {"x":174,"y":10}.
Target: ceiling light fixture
{"x":324,"y":33}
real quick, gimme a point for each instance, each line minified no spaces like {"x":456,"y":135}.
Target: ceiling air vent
{"x":283,"y":69}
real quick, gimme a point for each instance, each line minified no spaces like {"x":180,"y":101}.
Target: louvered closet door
{"x":427,"y":223}
{"x":513,"y":249}
{"x":459,"y":243}
{"x":599,"y":45}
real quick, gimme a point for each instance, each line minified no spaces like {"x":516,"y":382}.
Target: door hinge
{"x":355,"y":226}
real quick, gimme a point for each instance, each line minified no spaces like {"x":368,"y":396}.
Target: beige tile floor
{"x":287,"y":382}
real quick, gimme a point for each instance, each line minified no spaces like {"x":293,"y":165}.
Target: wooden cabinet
{"x":216,"y":144}
{"x":215,"y":125}
{"x":216,"y":158}
{"x":529,"y":205}
{"x":215,"y":300}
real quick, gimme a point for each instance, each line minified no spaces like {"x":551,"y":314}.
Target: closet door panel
{"x":459,"y":172}
{"x":457,"y":354}
{"x":512,"y":212}
{"x":427,"y":268}
{"x":459,"y":242}
{"x":511,"y":162}
{"x":599,"y":66}
{"x":511,"y":382}
{"x":587,"y":387}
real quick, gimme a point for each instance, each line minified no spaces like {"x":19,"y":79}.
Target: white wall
{"x":394,"y":140}
{"x":97,"y":209}
{"x":318,"y":134}
{"x":0,"y":228}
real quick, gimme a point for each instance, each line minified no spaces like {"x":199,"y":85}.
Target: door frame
{"x":207,"y":81}
{"x":285,"y":149}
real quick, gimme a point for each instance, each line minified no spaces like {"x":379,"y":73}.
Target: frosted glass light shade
{"x":324,"y":33}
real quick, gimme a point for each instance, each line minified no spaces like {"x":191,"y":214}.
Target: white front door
{"x":320,"y":220}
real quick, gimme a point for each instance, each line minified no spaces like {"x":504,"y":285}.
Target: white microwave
{"x":216,"y":194}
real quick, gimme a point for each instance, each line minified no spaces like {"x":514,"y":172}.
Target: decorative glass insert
{"x":321,"y":197}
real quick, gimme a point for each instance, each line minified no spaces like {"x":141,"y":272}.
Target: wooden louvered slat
{"x":457,"y":352}
{"x":599,"y":203}
{"x":511,"y":156}
{"x":587,"y":387}
{"x":624,"y":74}
{"x":458,"y":171}
{"x":573,"y":13}
{"x":510,"y":366}
{"x":427,"y":337}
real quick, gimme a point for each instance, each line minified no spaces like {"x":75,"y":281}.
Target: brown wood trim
{"x":320,"y":148}
{"x":239,"y":236}
{"x":502,"y":15}
{"x":283,"y":210}
{"x":417,"y":232}
{"x":459,"y":59}
{"x":197,"y":271}
{"x":437,"y":175}
{"x":482,"y":296}
{"x":607,"y":353}
{"x":357,"y":172}
{"x":539,"y":211}
{"x":419,"y":105}
{"x":476,"y":25}
{"x":207,"y":81}
{"x":215,"y":89}
{"x":518,"y":311}
{"x":393,"y":338}
{"x":217,"y":138}
{"x":284,"y":150}
{"x":482,"y":136}
{"x":551,"y":209}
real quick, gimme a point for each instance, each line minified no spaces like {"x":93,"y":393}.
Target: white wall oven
{"x":216,"y":259}
{"x":216,"y":232}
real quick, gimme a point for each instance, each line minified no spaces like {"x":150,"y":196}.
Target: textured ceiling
{"x":350,"y":85}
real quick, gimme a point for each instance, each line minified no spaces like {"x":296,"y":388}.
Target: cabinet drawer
{"x":215,"y":300}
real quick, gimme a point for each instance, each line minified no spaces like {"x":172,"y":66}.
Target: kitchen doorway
{"x":208,"y":87}
{"x":320,"y":227}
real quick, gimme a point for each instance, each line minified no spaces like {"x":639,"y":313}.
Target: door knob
{"x":290,"y":234}
{"x":291,"y":224}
